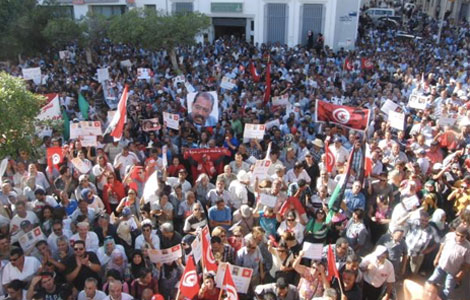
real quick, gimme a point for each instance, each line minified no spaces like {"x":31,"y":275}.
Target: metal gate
{"x":312,"y":19}
{"x":275,"y":26}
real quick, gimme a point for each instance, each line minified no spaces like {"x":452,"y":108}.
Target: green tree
{"x":62,"y":31}
{"x":18,"y":108}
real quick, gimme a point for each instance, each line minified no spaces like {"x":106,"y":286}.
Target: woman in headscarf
{"x":118,"y":262}
{"x":137,"y":263}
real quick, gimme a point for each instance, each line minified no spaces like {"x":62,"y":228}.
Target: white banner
{"x":254,"y":131}
{"x":33,"y":74}
{"x":261,"y":169}
{"x":228,"y":83}
{"x":241,"y":277}
{"x":396,"y":119}
{"x":143,"y":73}
{"x":282,"y":100}
{"x":51,"y":110}
{"x":28,"y":240}
{"x":88,"y":141}
{"x":81,"y":165}
{"x":267,"y":200}
{"x":196,"y":248}
{"x":126,"y":63}
{"x":389,"y":105}
{"x":103,"y":74}
{"x":84,"y":128}
{"x":410,"y":202}
{"x":65,"y":54}
{"x":165,"y":256}
{"x":418,"y":101}
{"x":313,"y":251}
{"x":171,"y":120}
{"x":447,"y":120}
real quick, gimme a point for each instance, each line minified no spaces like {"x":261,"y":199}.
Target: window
{"x":276,"y":22}
{"x":151,"y":7}
{"x":182,"y":7}
{"x":109,"y":10}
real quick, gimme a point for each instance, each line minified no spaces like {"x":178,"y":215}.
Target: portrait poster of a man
{"x":203,"y":108}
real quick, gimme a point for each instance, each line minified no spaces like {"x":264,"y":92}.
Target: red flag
{"x":253,"y":72}
{"x":332,"y":270}
{"x":366,"y":64}
{"x":292,"y":201}
{"x":330,"y":158}
{"x":351,"y":117}
{"x":267,"y":92}
{"x":229,"y":286}
{"x":348,"y":65}
{"x":189,"y":283}
{"x":55,"y":156}
{"x":368,"y":162}
{"x":208,"y":259}
{"x":116,"y":126}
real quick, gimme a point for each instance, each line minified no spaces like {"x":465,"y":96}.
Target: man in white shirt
{"x":20,"y":267}
{"x":116,"y":293}
{"x":89,"y":237}
{"x":91,"y":292}
{"x":181,"y":179}
{"x":148,"y":237}
{"x":379,"y":274}
{"x":21,"y":215}
{"x":57,"y":231}
{"x":125,"y":159}
{"x":339,"y":152}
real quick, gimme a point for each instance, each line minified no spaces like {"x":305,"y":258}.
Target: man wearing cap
{"x":379,"y":275}
{"x":452,"y":261}
{"x":318,"y":150}
{"x":84,"y":183}
{"x":281,"y":289}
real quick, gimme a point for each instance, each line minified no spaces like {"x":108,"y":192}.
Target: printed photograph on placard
{"x":203,"y":108}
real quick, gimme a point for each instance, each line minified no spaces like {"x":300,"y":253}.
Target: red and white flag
{"x":116,"y":126}
{"x":329,"y":158}
{"x":208,"y":259}
{"x":254,"y":73}
{"x":55,"y":156}
{"x":267,"y":91}
{"x":368,"y":164}
{"x":189,"y":283}
{"x":366,"y":64}
{"x":348,"y":64}
{"x":351,"y":117}
{"x":229,"y":286}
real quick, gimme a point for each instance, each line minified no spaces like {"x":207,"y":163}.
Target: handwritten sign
{"x":396,"y":119}
{"x":103,"y":74}
{"x":33,"y":74}
{"x":228,"y":83}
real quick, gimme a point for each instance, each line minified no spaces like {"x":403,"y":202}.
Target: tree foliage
{"x":94,"y":28}
{"x":18,"y":108}
{"x":62,"y":31}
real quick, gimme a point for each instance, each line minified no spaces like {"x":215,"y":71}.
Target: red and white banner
{"x":351,"y":117}
{"x":165,"y":256}
{"x":366,"y":64}
{"x":208,"y":259}
{"x":189,"y":283}
{"x":52,"y":109}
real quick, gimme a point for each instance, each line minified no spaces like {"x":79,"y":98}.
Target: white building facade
{"x":260,"y":21}
{"x":459,"y":9}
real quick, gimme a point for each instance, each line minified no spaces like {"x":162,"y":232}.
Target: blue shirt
{"x":354,"y":202}
{"x":218,"y":215}
{"x":268,"y":224}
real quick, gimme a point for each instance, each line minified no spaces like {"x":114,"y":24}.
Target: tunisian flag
{"x":55,"y":156}
{"x":189,"y":283}
{"x":366,"y":63}
{"x":348,"y":64}
{"x":267,"y":92}
{"x":352,"y":117}
{"x":332,"y":270}
{"x":329,"y":158}
{"x":253,"y":72}
{"x":208,"y":259}
{"x":229,"y":286}
{"x":116,"y":126}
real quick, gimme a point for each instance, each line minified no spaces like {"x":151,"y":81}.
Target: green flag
{"x":66,"y":132}
{"x":83,"y":105}
{"x":337,"y":196}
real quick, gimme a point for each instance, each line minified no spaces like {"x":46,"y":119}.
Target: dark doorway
{"x":229,"y":26}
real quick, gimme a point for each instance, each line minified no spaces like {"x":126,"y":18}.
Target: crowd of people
{"x":99,"y":225}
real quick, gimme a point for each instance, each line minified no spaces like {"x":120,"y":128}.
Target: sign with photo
{"x":84,"y":128}
{"x":261,"y":169}
{"x":65,"y":54}
{"x":418,"y":101}
{"x":241,"y":277}
{"x":203,"y":108}
{"x":165,"y":256}
{"x":178,"y":79}
{"x":254,"y":131}
{"x":28,"y":240}
{"x":228,"y":83}
{"x":143,"y":73}
{"x":151,"y":124}
{"x":171,"y":120}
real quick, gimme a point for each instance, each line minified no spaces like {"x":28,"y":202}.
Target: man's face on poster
{"x":201,"y":109}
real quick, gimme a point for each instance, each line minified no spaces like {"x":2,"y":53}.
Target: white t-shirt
{"x":30,"y":267}
{"x":99,"y":295}
{"x":92,"y":242}
{"x":16,"y":220}
{"x":140,"y":241}
{"x":380,"y":274}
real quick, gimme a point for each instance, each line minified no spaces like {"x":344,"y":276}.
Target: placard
{"x":165,"y":256}
{"x":272,"y":123}
{"x":88,"y":141}
{"x":261,"y":169}
{"x":282,"y":100}
{"x":65,"y":54}
{"x":389,"y":105}
{"x":103,"y":74}
{"x":171,"y":120}
{"x":196,"y":248}
{"x":410,"y":202}
{"x":178,"y":79}
{"x":143,"y":73}
{"x":267,"y":200}
{"x":254,"y":131}
{"x":417,"y":101}
{"x":204,"y":102}
{"x":151,"y":124}
{"x":126,"y":63}
{"x":228,"y":83}
{"x":28,"y":240}
{"x":447,"y":120}
{"x":33,"y":74}
{"x":396,"y":119}
{"x":83,"y":128}
{"x":164,"y":156}
{"x":81,"y":165}
{"x":50,"y":111}
{"x":189,"y":87}
{"x":312,"y":251}
{"x":241,"y":277}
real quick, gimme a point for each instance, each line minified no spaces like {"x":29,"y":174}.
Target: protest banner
{"x":254,"y":131}
{"x":189,"y":87}
{"x":151,"y":124}
{"x":282,"y":100}
{"x":143,"y":73}
{"x":64,"y":54}
{"x":126,"y":63}
{"x":81,"y":165}
{"x":228,"y":83}
{"x":171,"y":120}
{"x":28,"y":240}
{"x":448,"y":120}
{"x":164,"y":156}
{"x":83,"y":128}
{"x":272,"y":123}
{"x":396,"y":119}
{"x":196,"y":248}
{"x":241,"y":277}
{"x":261,"y":169}
{"x":312,"y":251}
{"x":165,"y":256}
{"x":418,"y":101}
{"x":267,"y":200}
{"x":389,"y":105}
{"x":33,"y":74}
{"x":410,"y":202}
{"x":178,"y":79}
{"x":103,"y":74}
{"x":50,"y":111}
{"x":88,"y":141}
